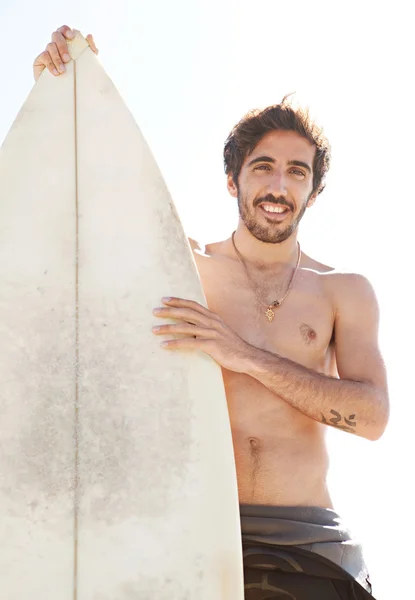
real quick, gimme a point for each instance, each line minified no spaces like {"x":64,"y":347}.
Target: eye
{"x":298,"y":172}
{"x":262,"y":168}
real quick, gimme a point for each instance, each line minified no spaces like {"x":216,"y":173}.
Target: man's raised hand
{"x":56,"y":53}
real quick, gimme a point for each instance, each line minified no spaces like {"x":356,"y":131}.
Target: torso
{"x":281,"y":456}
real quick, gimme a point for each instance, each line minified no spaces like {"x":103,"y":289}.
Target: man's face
{"x":274,"y":185}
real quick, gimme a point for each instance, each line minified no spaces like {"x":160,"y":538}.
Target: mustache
{"x":281,"y":201}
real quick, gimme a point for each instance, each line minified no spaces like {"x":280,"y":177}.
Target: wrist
{"x":256,"y":362}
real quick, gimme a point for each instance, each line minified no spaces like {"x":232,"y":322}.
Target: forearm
{"x":353,"y":406}
{"x":359,"y":407}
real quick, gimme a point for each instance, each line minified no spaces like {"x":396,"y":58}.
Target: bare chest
{"x":302,"y":328}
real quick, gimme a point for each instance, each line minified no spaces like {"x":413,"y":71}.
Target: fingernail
{"x":55,"y":72}
{"x":156,"y":310}
{"x":70,"y":34}
{"x":166,"y":299}
{"x":155,"y":328}
{"x":66,"y":57}
{"x":61,"y":68}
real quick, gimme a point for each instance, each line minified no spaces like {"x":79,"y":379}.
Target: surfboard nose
{"x":77,"y":45}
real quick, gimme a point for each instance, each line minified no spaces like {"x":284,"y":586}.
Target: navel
{"x":255,"y":445}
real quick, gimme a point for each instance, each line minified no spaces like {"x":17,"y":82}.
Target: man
{"x":297,"y":343}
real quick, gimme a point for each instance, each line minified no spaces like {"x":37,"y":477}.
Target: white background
{"x":189,"y":70}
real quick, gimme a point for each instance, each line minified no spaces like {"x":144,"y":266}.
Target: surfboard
{"x":117,"y":475}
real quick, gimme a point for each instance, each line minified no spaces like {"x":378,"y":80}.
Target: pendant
{"x":269,"y":314}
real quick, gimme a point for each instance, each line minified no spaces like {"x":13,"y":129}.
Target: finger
{"x":43,"y":61}
{"x":90,"y":40}
{"x":183,"y":303}
{"x":185,"y":329}
{"x":60,"y":41}
{"x":66,"y":31}
{"x":55,"y":56}
{"x":183,"y":314}
{"x":186,"y":344}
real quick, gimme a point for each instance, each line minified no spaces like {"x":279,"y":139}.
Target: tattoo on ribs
{"x":336,"y":421}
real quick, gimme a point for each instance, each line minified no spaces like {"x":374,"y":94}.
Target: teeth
{"x":275,"y":209}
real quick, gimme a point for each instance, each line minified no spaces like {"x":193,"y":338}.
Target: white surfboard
{"x":117,"y":477}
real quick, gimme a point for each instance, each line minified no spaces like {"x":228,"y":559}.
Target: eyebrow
{"x":291,"y":163}
{"x":300,"y":163}
{"x":261,"y":159}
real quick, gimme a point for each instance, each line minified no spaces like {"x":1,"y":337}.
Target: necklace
{"x":270,"y":308}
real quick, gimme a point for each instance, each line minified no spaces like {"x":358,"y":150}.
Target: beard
{"x":270,"y":234}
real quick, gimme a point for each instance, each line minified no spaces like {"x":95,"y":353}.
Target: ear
{"x":311,"y":200}
{"x":232,"y":188}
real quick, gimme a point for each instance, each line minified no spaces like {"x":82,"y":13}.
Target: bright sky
{"x":189,"y":70}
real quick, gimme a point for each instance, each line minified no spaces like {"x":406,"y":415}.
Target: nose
{"x":278,"y":184}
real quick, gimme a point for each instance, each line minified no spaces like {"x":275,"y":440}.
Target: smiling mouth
{"x":275,"y":212}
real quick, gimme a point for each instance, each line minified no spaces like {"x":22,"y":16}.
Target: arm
{"x":357,"y":402}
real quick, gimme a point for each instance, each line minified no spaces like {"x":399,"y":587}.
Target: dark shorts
{"x":286,"y":573}
{"x":300,"y":554}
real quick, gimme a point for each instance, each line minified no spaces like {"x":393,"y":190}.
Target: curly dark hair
{"x":245,"y":136}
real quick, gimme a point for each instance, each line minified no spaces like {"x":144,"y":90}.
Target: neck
{"x":266,"y":254}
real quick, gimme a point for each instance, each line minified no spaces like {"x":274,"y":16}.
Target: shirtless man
{"x":297,"y":343}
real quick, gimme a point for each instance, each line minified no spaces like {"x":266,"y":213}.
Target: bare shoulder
{"x":342,"y":285}
{"x":312,"y":265}
{"x":346,"y":288}
{"x":354,"y":294}
{"x":195,"y":246}
{"x":201,"y":250}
